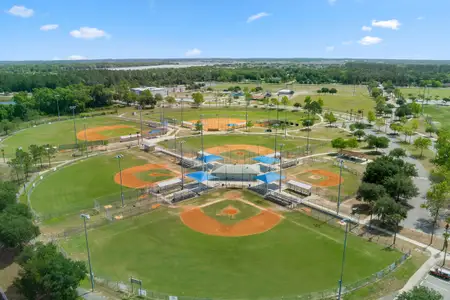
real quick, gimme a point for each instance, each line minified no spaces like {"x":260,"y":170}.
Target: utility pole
{"x":281,"y":167}
{"x":87,"y":217}
{"x":85,"y":141}
{"x":57,"y":106}
{"x":203,"y":151}
{"x":181,"y":164}
{"x":119,"y":157}
{"x":73,"y":107}
{"x":343,"y":259}
{"x":140,"y":117}
{"x":341,"y":163}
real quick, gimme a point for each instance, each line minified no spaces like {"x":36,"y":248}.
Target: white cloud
{"x":21,"y":11}
{"x":329,"y":49}
{"x":89,"y":33}
{"x":392,"y":24}
{"x":366,"y":28}
{"x":49,"y":27}
{"x":193,"y":52}
{"x":370,"y":40}
{"x":332,"y":2}
{"x":346,"y":43}
{"x":420,"y":18}
{"x":76,"y":57}
{"x":257,"y":16}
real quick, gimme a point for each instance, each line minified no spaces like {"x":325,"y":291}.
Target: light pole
{"x":446,"y":242}
{"x":343,"y":259}
{"x":87,"y":217}
{"x":73,"y":107}
{"x":119,"y":157}
{"x":281,"y":168}
{"x":341,"y":163}
{"x":85,"y":141}
{"x":181,"y":165}
{"x":276,"y":133}
{"x":22,"y":166}
{"x":201,"y":135}
{"x":140,"y":117}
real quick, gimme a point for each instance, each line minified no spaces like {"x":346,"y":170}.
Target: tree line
{"x":19,"y":78}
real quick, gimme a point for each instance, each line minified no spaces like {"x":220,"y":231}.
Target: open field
{"x":440,"y":114}
{"x":75,"y":187}
{"x":169,"y":257}
{"x":193,"y":144}
{"x":323,"y":133}
{"x":432,"y":92}
{"x":5,"y":98}
{"x":310,"y":174}
{"x":57,"y":133}
{"x":190,"y":114}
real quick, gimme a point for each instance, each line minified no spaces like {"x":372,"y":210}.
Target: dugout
{"x":299,"y":187}
{"x":236,"y":172}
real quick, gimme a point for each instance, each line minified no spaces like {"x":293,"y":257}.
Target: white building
{"x":285,"y":92}
{"x":154,"y":90}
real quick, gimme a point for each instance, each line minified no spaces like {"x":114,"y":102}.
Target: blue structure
{"x":210,"y":158}
{"x":201,"y":176}
{"x":269,"y":177}
{"x":266,"y":160}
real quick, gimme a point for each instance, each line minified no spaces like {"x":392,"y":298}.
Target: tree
{"x":46,"y":274}
{"x":400,"y":187}
{"x":329,"y":116}
{"x":377,"y":142}
{"x":308,"y":123}
{"x":285,"y":101}
{"x":352,"y":143}
{"x":170,"y":100}
{"x":385,"y":207}
{"x":415,"y":108}
{"x":431,"y":129}
{"x":371,"y":117}
{"x":414,"y":125}
{"x":308,"y":100}
{"x":198,"y":126}
{"x":398,"y":153}
{"x":320,"y":101}
{"x":339,"y":143}
{"x":147,"y":98}
{"x":198,"y":98}
{"x":359,"y":134}
{"x":333,"y":91}
{"x":6,"y":126}
{"x":36,"y":154}
{"x":370,"y":193}
{"x":385,"y":167}
{"x":313,"y":107}
{"x":297,"y":105}
{"x":437,"y":199}
{"x":49,"y":152}
{"x":159,"y":97}
{"x":376,"y":92}
{"x":395,"y":127}
{"x":16,"y":230}
{"x":250,"y":124}
{"x":422,"y":143}
{"x":420,"y":293}
{"x":380,"y":122}
{"x":8,"y":191}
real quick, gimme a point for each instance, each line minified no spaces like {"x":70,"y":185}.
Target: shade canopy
{"x":207,"y":158}
{"x":266,"y":160}
{"x":269,"y":177}
{"x":200,"y":176}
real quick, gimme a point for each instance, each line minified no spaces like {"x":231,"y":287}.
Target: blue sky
{"x":93,"y":29}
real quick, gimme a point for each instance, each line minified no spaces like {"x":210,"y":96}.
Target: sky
{"x":100,"y":29}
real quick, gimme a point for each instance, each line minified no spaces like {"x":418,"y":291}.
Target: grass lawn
{"x":323,"y":133}
{"x":155,"y":175}
{"x":440,"y":114}
{"x":254,"y":114}
{"x":54,"y":134}
{"x":75,"y":187}
{"x":5,"y":98}
{"x":441,"y":92}
{"x":193,"y":144}
{"x":392,"y":282}
{"x":349,"y":185}
{"x":293,"y":258}
{"x":425,"y":160}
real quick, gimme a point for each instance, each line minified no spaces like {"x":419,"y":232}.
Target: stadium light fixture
{"x":119,"y":157}
{"x":347,"y":222}
{"x":341,"y":164}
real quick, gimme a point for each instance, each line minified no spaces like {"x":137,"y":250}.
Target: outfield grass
{"x":254,"y":114}
{"x":297,"y":256}
{"x":75,"y":187}
{"x":323,"y":133}
{"x":54,"y":134}
{"x":193,"y":144}
{"x":441,"y":92}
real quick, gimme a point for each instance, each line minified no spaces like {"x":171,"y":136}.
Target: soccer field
{"x":432,"y":92}
{"x":298,"y":255}
{"x":60,"y":133}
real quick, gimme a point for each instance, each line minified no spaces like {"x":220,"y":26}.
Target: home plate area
{"x":319,"y":178}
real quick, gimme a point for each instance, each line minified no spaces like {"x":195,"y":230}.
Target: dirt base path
{"x":129,"y":178}
{"x":260,"y":150}
{"x":93,"y":134}
{"x":331,"y":179}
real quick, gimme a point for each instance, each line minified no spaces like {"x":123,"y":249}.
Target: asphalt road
{"x":439,"y":285}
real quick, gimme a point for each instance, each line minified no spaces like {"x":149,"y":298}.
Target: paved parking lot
{"x":438,"y":285}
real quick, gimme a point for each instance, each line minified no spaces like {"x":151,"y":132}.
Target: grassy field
{"x":349,"y":185}
{"x":323,"y":133}
{"x":441,"y":92}
{"x":171,"y":258}
{"x":55,"y":134}
{"x":190,"y":114}
{"x":75,"y":187}
{"x":440,"y":114}
{"x":5,"y":98}
{"x":425,"y":160}
{"x":194,"y":143}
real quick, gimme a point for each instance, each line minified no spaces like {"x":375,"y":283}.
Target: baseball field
{"x":217,"y":249}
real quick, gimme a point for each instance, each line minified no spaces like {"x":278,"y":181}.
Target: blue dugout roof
{"x":210,"y":157}
{"x":200,"y":176}
{"x":266,"y":160}
{"x":269,"y":177}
